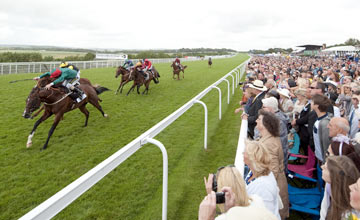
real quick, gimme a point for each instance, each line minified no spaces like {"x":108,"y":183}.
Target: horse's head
{"x":32,"y":102}
{"x":118,"y":71}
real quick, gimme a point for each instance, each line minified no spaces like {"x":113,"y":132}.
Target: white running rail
{"x":39,"y":67}
{"x":67,"y":195}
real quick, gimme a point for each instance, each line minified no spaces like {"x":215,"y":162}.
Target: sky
{"x":153,"y":24}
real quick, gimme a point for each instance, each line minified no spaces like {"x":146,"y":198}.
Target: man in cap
{"x":257,"y":89}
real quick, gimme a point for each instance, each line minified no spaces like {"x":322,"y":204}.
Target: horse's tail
{"x":100,"y":89}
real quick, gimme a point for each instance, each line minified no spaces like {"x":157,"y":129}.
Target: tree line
{"x":38,"y":57}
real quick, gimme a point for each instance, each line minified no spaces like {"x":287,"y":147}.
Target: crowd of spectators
{"x":317,"y":98}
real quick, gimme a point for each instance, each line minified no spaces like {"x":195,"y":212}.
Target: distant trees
{"x":37,"y":57}
{"x":272,"y":50}
{"x":352,"y":42}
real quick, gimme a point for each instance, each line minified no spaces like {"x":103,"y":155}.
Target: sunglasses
{"x":214,"y":184}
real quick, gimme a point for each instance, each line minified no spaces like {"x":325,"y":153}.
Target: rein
{"x":58,"y":100}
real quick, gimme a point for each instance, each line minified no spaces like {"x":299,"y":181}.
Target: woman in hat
{"x":286,"y":104}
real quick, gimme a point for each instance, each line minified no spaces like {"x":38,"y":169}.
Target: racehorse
{"x":210,"y":62}
{"x":139,"y":79}
{"x":125,"y":77}
{"x":177,"y":70}
{"x":57,"y":102}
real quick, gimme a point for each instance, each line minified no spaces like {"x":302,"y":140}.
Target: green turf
{"x":134,"y":189}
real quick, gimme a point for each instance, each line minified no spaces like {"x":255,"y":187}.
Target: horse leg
{"x":146,"y":88}
{"x":124,"y":85}
{"x":119,"y":88}
{"x":132,"y":87}
{"x":86,"y":113}
{"x":52,"y":129}
{"x":137,"y":89}
{"x":37,"y":123}
{"x":96,"y":104}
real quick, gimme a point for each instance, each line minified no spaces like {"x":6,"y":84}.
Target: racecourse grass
{"x":134,"y":189}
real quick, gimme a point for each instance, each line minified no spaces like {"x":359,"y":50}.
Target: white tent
{"x":341,"y":49}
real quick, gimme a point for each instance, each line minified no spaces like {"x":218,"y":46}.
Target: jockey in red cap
{"x":65,"y":76}
{"x":177,"y":63}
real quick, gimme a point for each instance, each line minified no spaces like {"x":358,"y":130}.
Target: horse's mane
{"x":44,"y":81}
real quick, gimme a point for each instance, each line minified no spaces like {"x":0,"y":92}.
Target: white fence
{"x":39,"y":67}
{"x":66,"y":196}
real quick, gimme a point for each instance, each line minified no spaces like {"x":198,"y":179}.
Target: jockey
{"x":147,"y":65}
{"x":64,"y":76}
{"x":177,"y":63}
{"x":128,"y":64}
{"x":64,"y":64}
{"x":140,"y":65}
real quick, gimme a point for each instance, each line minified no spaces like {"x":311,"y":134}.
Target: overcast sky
{"x":139,"y":24}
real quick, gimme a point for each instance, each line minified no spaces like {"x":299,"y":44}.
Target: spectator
{"x":353,"y":117}
{"x":300,"y":102}
{"x":268,"y":125}
{"x":257,"y":89}
{"x":340,"y":172}
{"x":207,"y":209}
{"x":355,"y":199}
{"x":320,"y":104}
{"x":229,"y":180}
{"x":228,"y":176}
{"x":260,"y":180}
{"x":344,"y":100}
{"x":270,"y":105}
{"x":285,"y":102}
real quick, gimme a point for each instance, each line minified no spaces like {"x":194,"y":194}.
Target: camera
{"x":220,"y":197}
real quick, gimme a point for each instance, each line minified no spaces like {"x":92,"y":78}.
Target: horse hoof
{"x":28,"y":144}
{"x":106,"y":115}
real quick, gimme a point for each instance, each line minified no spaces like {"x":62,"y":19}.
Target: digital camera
{"x":220,"y":197}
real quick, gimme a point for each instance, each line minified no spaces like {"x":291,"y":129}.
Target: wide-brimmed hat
{"x":284,"y":92}
{"x":258,"y":84}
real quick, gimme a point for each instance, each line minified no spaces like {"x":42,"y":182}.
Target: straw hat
{"x":258,"y":84}
{"x":284,"y":92}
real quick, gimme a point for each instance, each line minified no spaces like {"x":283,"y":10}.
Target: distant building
{"x":311,"y":50}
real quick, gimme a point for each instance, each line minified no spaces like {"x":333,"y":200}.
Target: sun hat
{"x":258,"y":84}
{"x":284,"y":92}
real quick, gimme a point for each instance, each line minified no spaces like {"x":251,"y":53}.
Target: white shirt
{"x":266,"y":187}
{"x":256,"y":205}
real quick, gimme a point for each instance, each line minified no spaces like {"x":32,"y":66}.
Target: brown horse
{"x":125,"y":77}
{"x":57,"y":102}
{"x":210,"y":62}
{"x":177,"y":70}
{"x":140,"y":80}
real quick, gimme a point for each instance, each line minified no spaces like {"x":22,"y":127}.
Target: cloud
{"x":142,"y":24}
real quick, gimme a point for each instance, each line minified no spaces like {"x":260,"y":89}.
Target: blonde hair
{"x":303,"y":83}
{"x":259,"y":158}
{"x":231,"y":177}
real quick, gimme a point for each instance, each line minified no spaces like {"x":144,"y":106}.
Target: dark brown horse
{"x":177,"y":70}
{"x":57,"y":102}
{"x":139,"y":79}
{"x":125,"y":77}
{"x":209,"y":62}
